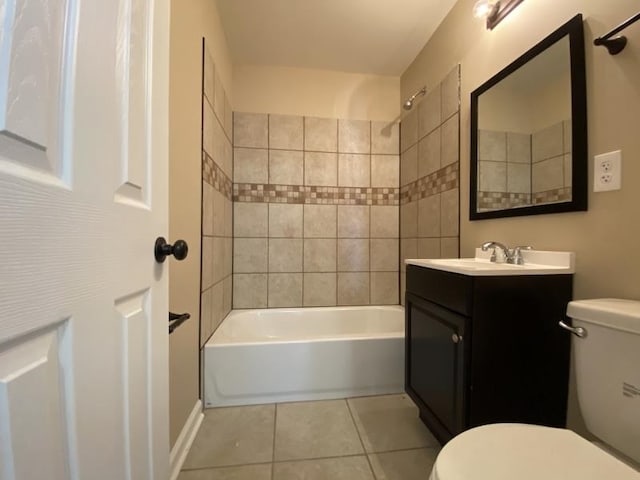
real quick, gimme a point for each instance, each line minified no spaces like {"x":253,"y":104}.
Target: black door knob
{"x":180,"y":249}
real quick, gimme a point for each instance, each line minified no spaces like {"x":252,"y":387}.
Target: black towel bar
{"x":177,"y":319}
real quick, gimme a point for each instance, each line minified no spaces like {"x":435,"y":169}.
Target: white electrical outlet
{"x":607,"y":171}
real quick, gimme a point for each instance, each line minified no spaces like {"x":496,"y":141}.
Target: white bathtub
{"x":283,"y":355}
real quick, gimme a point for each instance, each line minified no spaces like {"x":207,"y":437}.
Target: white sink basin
{"x":536,"y":262}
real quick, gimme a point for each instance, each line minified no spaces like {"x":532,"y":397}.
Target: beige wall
{"x":605,"y":238}
{"x":190,"y":21}
{"x":315,"y":93}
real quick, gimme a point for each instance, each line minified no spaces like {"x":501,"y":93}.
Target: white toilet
{"x":607,"y":364}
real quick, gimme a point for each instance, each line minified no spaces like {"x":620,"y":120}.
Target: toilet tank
{"x":607,"y":367}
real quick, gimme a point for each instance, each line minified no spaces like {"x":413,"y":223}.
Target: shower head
{"x":408,"y":105}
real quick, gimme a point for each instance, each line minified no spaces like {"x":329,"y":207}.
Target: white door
{"x":83,"y":195}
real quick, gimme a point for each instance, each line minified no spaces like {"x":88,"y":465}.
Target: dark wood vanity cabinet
{"x":486,"y":349}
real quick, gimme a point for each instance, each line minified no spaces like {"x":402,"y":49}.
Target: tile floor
{"x":366,"y":438}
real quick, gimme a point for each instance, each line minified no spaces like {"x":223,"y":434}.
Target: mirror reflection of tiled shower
{"x":520,"y":169}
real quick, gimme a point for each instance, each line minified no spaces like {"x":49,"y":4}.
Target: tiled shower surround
{"x":217,"y":227}
{"x":519,"y":169}
{"x":316,"y":212}
{"x":429,"y":175}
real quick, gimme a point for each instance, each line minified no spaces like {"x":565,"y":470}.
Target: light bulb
{"x":483,"y":8}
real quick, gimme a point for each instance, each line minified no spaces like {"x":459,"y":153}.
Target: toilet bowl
{"x":606,"y":356}
{"x":511,"y":451}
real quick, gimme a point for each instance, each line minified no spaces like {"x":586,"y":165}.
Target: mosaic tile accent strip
{"x":553,"y":196}
{"x":214,"y":176}
{"x":443,"y":180}
{"x":315,"y":195}
{"x":488,"y":201}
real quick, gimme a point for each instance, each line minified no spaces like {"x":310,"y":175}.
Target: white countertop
{"x":536,"y":262}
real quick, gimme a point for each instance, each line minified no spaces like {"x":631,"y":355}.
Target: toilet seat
{"x":512,"y":451}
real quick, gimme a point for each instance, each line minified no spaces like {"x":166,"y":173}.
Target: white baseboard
{"x":185,"y":439}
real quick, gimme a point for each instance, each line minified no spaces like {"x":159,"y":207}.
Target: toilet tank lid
{"x":610,"y":312}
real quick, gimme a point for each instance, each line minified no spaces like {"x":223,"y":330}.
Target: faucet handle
{"x":517,"y":254}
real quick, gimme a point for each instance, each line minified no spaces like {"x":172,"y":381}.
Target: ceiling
{"x":379,"y":37}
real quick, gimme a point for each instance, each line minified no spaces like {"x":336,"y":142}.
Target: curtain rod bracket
{"x":613,"y":45}
{"x":616,"y":45}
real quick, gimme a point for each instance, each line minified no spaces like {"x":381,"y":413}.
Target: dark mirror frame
{"x":574,"y":29}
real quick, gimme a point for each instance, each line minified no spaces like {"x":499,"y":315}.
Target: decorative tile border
{"x":214,"y":176}
{"x":553,"y":196}
{"x":489,"y":201}
{"x":440,"y":181}
{"x":309,"y":194}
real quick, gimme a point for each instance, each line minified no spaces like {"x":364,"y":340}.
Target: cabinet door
{"x":435,"y":365}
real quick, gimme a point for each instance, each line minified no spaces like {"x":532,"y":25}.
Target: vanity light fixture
{"x":494,"y":10}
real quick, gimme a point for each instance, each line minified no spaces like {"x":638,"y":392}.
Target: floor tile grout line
{"x":311,"y":459}
{"x":364,"y":449}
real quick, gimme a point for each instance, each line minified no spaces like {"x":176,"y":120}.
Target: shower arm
{"x":408,"y":105}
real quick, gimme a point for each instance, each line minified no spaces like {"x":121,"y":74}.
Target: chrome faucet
{"x":510,"y":256}
{"x":494,"y":258}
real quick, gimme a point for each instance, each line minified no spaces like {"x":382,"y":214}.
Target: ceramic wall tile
{"x":385,"y":138}
{"x":319,"y":289}
{"x":409,"y":220}
{"x":429,"y":149}
{"x":449,"y":213}
{"x":285,"y":290}
{"x":250,"y":130}
{"x":251,"y":165}
{"x":547,"y":143}
{"x":207,"y":209}
{"x":354,"y":136}
{"x":450,"y":141}
{"x":385,"y":171}
{"x":250,"y":219}
{"x":250,"y":290}
{"x":320,"y":134}
{"x":353,"y":288}
{"x":429,"y":112}
{"x":385,"y":222}
{"x":250,"y":255}
{"x":409,"y":166}
{"x":320,"y":169}
{"x":285,"y":220}
{"x":286,"y":167}
{"x":353,"y":221}
{"x":429,"y":216}
{"x":451,"y":93}
{"x":547,"y":174}
{"x":384,"y":255}
{"x":320,"y":221}
{"x":518,"y":148}
{"x":492,"y":146}
{"x":492,"y":176}
{"x":353,"y":255}
{"x":285,"y":132}
{"x":285,"y":255}
{"x":384,"y":288}
{"x":519,"y":177}
{"x":429,"y":248}
{"x":409,"y":130}
{"x":354,"y":170}
{"x":320,"y":255}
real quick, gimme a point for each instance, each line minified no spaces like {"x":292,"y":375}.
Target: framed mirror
{"x":529,"y":132}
